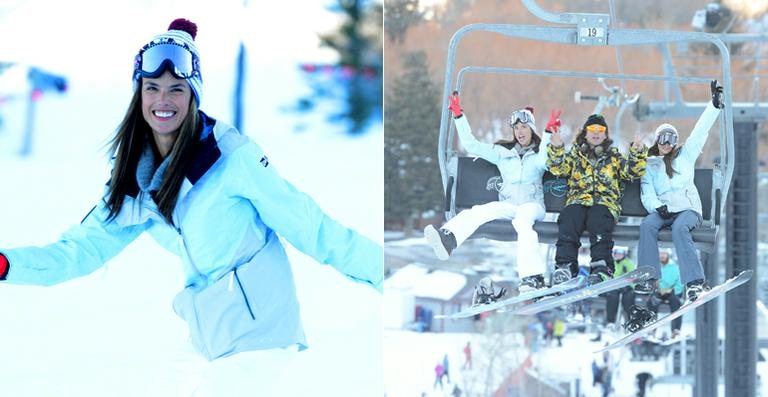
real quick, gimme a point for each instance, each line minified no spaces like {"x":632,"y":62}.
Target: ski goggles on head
{"x":667,"y":137}
{"x":598,"y":128}
{"x":520,"y":116}
{"x":155,"y":58}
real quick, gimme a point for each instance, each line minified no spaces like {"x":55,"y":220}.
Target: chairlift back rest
{"x":476,"y":180}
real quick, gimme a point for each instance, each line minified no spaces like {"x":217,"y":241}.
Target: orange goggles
{"x":596,"y":128}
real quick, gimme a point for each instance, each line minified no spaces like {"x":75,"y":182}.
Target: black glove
{"x":663,"y":212}
{"x":717,"y":94}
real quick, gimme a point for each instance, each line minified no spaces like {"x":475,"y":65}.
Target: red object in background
{"x":346,"y":71}
{"x":36,"y":94}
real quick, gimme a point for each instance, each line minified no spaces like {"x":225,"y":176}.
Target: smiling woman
{"x":165,"y":103}
{"x":208,"y":194}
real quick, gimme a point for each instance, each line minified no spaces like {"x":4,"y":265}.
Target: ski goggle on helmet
{"x":156,"y":57}
{"x":667,"y":137}
{"x":520,"y":116}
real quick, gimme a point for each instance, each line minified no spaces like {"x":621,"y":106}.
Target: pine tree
{"x":411,"y":121}
{"x":358,"y":42}
{"x":399,"y":15}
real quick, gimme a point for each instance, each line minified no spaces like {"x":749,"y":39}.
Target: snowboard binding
{"x":639,"y":317}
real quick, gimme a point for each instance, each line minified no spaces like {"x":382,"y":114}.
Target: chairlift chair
{"x":468,"y":181}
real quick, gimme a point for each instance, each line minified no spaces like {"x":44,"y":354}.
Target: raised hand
{"x":554,"y":123}
{"x":717,"y":94}
{"x":639,"y":140}
{"x":454,"y":106}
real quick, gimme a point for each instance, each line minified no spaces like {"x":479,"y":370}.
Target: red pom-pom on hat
{"x":529,"y":108}
{"x":185,"y":25}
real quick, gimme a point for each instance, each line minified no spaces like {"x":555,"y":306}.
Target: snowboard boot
{"x":487,"y":292}
{"x":647,"y":287}
{"x":693,"y":289}
{"x":598,"y":272}
{"x":563,"y":272}
{"x":639,"y":317}
{"x":531,"y":283}
{"x":443,"y":241}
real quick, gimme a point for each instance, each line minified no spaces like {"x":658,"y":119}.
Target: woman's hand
{"x":454,"y":106}
{"x":554,"y":123}
{"x":717,"y":94}
{"x":637,"y":143}
{"x":4,"y":267}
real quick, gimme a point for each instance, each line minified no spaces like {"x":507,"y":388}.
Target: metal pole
{"x":741,"y":254}
{"x":707,"y":371}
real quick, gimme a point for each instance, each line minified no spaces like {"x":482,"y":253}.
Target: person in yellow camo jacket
{"x":593,"y":169}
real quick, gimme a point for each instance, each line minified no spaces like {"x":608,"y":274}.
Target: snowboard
{"x":703,"y":298}
{"x":526,"y":296}
{"x":670,"y":341}
{"x":637,"y":275}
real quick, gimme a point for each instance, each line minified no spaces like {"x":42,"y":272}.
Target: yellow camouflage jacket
{"x":597,"y":181}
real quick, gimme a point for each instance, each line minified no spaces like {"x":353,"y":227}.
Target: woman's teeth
{"x":160,"y":113}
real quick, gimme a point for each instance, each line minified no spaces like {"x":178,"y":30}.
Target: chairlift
{"x":467,"y":181}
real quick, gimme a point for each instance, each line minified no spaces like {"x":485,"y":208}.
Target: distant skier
{"x":439,"y":372}
{"x":487,"y":292}
{"x":522,"y":163}
{"x":467,"y":356}
{"x":669,"y":290}
{"x":593,"y":170}
{"x":622,"y":265}
{"x":672,"y":200}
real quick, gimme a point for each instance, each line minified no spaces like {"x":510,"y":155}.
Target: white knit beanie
{"x":180,"y":31}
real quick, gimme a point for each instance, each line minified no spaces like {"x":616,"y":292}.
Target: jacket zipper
{"x":186,"y":249}
{"x":242,"y":291}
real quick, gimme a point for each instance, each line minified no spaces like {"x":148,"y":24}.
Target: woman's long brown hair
{"x":126,"y":147}
{"x":654,"y":151}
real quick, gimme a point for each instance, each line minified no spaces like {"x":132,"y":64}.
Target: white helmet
{"x":666,"y":133}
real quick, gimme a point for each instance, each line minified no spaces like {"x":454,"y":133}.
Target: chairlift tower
{"x":596,"y":30}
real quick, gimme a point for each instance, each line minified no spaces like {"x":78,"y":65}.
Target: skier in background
{"x":669,"y":291}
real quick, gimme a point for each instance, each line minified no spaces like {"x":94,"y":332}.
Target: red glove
{"x":3,"y":267}
{"x":453,"y":105}
{"x":554,"y":123}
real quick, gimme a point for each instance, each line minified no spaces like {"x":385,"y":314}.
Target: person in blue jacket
{"x":522,"y":161}
{"x":670,"y":196}
{"x":209,"y":194}
{"x":669,"y":291}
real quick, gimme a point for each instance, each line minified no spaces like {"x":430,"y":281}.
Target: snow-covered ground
{"x":114,"y":333}
{"x":410,"y":357}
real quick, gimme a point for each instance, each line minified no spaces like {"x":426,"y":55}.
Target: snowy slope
{"x":114,"y":332}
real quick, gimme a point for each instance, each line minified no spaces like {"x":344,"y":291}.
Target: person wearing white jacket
{"x":522,"y":164}
{"x":671,"y":199}
{"x":209,"y":194}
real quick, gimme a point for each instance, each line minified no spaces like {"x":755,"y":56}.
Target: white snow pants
{"x":530,"y":260}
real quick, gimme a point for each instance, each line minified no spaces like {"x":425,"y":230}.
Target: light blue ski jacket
{"x":231,"y":207}
{"x":521,"y":177}
{"x":678,"y":193}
